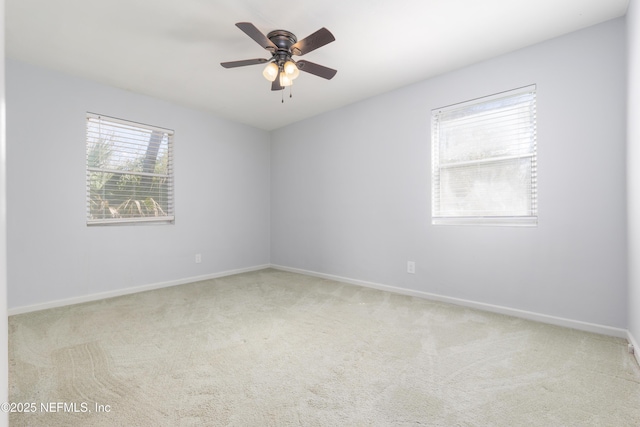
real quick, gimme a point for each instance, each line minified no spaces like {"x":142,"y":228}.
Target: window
{"x":484,"y":160}
{"x":129,"y":172}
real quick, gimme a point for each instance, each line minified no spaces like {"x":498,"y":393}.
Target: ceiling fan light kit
{"x":281,"y":70}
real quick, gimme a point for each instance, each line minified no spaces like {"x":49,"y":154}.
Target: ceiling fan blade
{"x":251,"y":30}
{"x":234,"y":64}
{"x":318,"y":70}
{"x":312,"y":42}
{"x":275,"y":85}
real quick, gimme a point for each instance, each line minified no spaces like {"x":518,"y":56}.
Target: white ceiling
{"x":172,"y":49}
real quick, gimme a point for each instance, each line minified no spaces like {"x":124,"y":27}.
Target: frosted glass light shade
{"x":291,"y":70}
{"x":270,"y":71}
{"x":285,"y":80}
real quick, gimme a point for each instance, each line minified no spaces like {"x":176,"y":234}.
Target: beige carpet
{"x":273,"y":348}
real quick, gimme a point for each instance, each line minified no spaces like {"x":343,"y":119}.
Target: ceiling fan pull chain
{"x":282,"y":93}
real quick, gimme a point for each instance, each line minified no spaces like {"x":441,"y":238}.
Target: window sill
{"x":132,"y":221}
{"x":530,"y":221}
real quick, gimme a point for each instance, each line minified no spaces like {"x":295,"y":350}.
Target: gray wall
{"x":4,"y":327}
{"x":633,"y":170}
{"x":221,"y":193}
{"x":351,"y":189}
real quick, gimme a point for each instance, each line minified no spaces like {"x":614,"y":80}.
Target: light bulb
{"x":291,"y":69}
{"x":270,"y":71}
{"x":285,"y":80}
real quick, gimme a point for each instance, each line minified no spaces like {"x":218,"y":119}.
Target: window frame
{"x":169,"y":215}
{"x":437,"y":216}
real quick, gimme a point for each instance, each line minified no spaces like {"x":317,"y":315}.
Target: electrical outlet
{"x":411,"y":267}
{"x":198,"y":258}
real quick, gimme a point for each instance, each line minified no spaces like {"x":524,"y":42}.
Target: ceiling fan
{"x":281,"y":69}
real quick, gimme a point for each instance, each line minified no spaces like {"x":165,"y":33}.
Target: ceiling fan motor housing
{"x":283,"y":40}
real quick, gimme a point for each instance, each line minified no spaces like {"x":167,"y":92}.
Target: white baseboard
{"x":127,"y":291}
{"x":543,"y":318}
{"x":634,"y":343}
{"x":569,"y":323}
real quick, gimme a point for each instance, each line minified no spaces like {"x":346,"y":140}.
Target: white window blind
{"x":484,"y":160}
{"x":129,"y":172}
